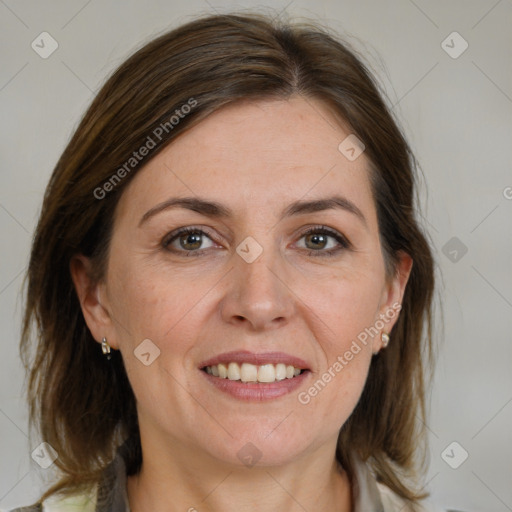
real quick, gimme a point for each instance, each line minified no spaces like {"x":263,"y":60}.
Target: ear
{"x":90,"y":296}
{"x":392,"y":295}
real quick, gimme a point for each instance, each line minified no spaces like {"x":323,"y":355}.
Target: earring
{"x":105,"y":347}
{"x":385,"y":340}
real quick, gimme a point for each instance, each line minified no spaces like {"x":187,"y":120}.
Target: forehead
{"x":261,"y":154}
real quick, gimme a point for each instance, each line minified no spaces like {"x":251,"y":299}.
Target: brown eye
{"x":190,"y":241}
{"x":316,"y":241}
{"x":323,"y":241}
{"x":187,"y":240}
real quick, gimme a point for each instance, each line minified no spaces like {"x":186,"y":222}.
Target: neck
{"x":184,"y":482}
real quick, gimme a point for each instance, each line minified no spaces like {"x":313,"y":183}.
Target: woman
{"x":231,"y":292}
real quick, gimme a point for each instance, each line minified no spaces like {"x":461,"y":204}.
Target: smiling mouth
{"x":247,"y":372}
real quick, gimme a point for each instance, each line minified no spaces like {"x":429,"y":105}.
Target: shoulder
{"x":82,"y":502}
{"x":109,"y":493}
{"x":391,"y":502}
{"x":370,"y":494}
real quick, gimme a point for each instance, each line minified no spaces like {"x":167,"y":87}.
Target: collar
{"x":365,"y":492}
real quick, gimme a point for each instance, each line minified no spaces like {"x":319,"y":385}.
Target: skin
{"x":255,"y":158}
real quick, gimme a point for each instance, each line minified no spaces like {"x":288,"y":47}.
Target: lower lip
{"x":257,"y":391}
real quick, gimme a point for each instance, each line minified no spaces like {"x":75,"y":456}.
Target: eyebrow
{"x":217,"y":210}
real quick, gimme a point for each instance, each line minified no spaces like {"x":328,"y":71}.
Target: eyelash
{"x":317,"y":230}
{"x":324,"y":230}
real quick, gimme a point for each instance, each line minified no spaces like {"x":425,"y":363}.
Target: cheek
{"x":346,"y":304}
{"x":344,"y":307}
{"x":167,"y":312}
{"x":150,"y":302}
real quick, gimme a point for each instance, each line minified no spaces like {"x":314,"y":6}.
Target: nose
{"x":258,"y":294}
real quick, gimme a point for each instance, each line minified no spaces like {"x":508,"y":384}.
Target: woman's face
{"x":249,"y":279}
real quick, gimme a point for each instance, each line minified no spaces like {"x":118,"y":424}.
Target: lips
{"x":262,"y":358}
{"x":255,"y":377}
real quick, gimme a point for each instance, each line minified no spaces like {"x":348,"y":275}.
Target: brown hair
{"x":83,"y":405}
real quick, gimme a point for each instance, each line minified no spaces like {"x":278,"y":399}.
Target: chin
{"x":262,"y":447}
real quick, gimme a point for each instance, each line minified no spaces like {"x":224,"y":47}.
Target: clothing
{"x":111,"y":496}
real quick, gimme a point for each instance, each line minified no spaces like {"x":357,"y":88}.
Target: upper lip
{"x":261,"y":358}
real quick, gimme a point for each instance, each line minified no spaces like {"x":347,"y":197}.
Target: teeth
{"x":281,"y":371}
{"x":248,"y":372}
{"x":233,"y":371}
{"x":251,"y":373}
{"x":223,"y":371}
{"x":267,"y":373}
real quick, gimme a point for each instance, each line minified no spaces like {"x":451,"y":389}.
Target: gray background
{"x":456,"y":113}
